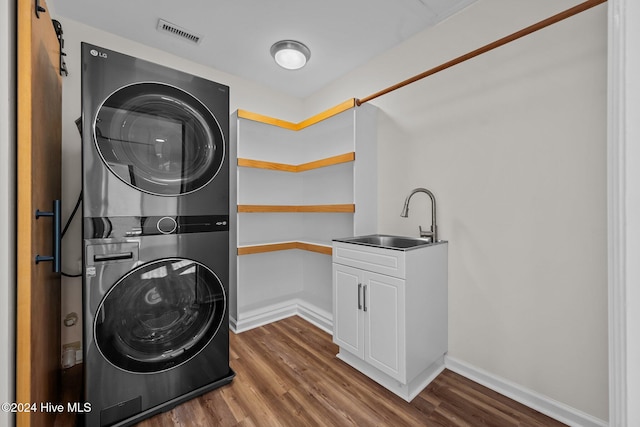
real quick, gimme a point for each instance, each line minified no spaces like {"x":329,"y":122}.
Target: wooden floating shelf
{"x":333,"y":111}
{"x":283,"y":167}
{"x":259,"y":164}
{"x":345,"y":208}
{"x":273,"y":247}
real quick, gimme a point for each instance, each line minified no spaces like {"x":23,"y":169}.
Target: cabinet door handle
{"x":359,"y":301}
{"x":364,"y":297}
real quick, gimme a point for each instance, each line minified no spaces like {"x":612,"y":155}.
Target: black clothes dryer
{"x":156,"y":236}
{"x":154,"y":138}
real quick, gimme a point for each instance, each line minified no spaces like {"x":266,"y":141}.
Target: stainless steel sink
{"x":387,"y":241}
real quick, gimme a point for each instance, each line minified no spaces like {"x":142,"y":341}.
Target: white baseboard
{"x":315,"y":315}
{"x":405,"y":391}
{"x":262,"y":316}
{"x":294,"y":307}
{"x":541,"y":403}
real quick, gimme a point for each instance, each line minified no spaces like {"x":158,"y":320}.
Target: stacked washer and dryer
{"x":156,"y":236}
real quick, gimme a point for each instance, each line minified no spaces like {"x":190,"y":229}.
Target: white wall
{"x":513,"y":144}
{"x":7,"y":206}
{"x":244,"y":94}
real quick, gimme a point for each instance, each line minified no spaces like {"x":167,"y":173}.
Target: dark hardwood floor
{"x":287,"y":375}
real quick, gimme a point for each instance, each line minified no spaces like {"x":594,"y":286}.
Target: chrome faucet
{"x":433,"y":234}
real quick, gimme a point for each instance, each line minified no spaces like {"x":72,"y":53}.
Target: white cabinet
{"x":390,"y":313}
{"x":294,"y":188}
{"x":369,"y":318}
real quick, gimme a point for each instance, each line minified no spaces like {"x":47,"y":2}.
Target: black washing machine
{"x":156,"y":323}
{"x":156,"y":237}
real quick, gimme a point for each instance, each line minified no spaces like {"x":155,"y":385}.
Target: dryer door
{"x":159,"y":315}
{"x":159,"y":139}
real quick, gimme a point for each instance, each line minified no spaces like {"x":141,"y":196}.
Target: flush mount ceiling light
{"x":290,"y":54}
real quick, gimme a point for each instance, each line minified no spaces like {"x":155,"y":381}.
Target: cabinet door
{"x":348,"y":329}
{"x":384,"y":317}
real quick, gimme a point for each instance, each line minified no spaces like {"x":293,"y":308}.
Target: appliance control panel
{"x":133,"y":226}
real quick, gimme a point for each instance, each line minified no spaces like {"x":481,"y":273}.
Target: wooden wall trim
{"x":486,"y":48}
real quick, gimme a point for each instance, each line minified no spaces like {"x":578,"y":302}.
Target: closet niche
{"x":295,"y":187}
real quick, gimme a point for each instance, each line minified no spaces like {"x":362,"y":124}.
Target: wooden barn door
{"x":39,"y":99}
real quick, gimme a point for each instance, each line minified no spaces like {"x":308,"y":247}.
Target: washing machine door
{"x":159,"y":139}
{"x":159,"y":315}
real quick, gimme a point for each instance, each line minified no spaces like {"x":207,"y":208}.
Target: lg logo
{"x":94,"y":52}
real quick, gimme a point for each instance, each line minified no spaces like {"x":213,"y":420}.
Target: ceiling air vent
{"x":168,"y":27}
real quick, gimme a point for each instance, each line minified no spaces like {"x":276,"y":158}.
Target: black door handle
{"x":57,"y":237}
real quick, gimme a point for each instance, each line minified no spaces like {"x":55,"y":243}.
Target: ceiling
{"x":236,"y":35}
